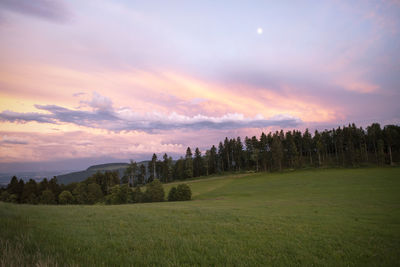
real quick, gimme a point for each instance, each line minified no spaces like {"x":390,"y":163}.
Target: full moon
{"x":259,"y":30}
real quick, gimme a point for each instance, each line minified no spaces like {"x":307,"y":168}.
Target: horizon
{"x":87,"y":83}
{"x":21,"y":168}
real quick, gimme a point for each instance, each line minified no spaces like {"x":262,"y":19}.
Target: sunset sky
{"x":90,"y":82}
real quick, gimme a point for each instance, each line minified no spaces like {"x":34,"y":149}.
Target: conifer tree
{"x":277,"y":152}
{"x":188,"y":164}
{"x":152,"y":168}
{"x":197,"y":163}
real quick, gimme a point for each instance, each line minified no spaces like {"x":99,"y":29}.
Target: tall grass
{"x":312,"y":217}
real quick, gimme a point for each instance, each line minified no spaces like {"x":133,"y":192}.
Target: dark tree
{"x":142,"y":174}
{"x":188,"y":164}
{"x":154,"y":192}
{"x":29,"y":194}
{"x":47,"y":197}
{"x":152,"y":168}
{"x":172,"y":196}
{"x":130,"y":172}
{"x":198,"y":164}
{"x":183,"y":192}
{"x":277,"y":152}
{"x":65,"y":198}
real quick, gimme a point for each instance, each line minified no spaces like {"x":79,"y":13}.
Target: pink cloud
{"x":361,"y":87}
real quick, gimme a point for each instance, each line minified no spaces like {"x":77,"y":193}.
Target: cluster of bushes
{"x":123,"y":194}
{"x":100,"y":188}
{"x":180,"y":193}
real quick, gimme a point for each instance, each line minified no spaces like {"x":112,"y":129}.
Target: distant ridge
{"x":108,"y":166}
{"x":82,"y":175}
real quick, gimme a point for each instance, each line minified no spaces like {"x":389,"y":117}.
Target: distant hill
{"x":5,"y":178}
{"x":82,"y":175}
{"x":108,"y":166}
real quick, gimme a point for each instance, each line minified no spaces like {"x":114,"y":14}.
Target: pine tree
{"x":207,"y":162}
{"x":131,"y":172}
{"x":277,"y":152}
{"x":238,"y":154}
{"x":29,"y":195}
{"x":213,"y":160}
{"x":307,"y":141}
{"x":197,"y":163}
{"x":221,"y":156}
{"x":142,"y":174}
{"x":391,"y":135}
{"x":264,"y":151}
{"x":188,"y":164}
{"x":374,"y":133}
{"x":166,"y":169}
{"x":292,"y":154}
{"x":152,"y":168}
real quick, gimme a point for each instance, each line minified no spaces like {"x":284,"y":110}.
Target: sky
{"x":90,"y":82}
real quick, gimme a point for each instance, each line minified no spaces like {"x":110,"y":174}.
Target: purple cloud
{"x":13,"y":140}
{"x":46,"y":9}
{"x":104,"y":116}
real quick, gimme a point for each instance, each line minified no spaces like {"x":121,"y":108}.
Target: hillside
{"x":108,"y":166}
{"x":82,"y":175}
{"x":335,"y":217}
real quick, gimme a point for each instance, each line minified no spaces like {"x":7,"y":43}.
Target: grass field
{"x":332,"y":217}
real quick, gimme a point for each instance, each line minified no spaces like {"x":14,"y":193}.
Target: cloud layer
{"x":102,"y":115}
{"x":11,"y":140}
{"x":45,"y":9}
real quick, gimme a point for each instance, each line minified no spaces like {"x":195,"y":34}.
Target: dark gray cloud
{"x":46,"y":9}
{"x":103,"y":116}
{"x":13,"y":140}
{"x":12,"y":116}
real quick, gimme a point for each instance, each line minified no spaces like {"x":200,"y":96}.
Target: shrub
{"x":137,"y":195}
{"x":154,"y":192}
{"x":13,"y":198}
{"x":120,"y":194}
{"x":94,"y":193}
{"x":65,"y":198}
{"x":172,"y":194}
{"x":80,"y":193}
{"x":5,"y":196}
{"x":32,"y":199}
{"x":47,"y":197}
{"x":183,"y":192}
{"x":180,"y":193}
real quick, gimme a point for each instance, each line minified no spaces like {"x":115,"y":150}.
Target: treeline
{"x":100,"y":188}
{"x":347,"y":146}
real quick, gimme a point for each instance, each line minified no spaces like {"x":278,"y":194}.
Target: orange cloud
{"x":164,"y":92}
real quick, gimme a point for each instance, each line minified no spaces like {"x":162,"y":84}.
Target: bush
{"x":172,"y":196}
{"x":137,"y":195}
{"x":47,"y":197}
{"x":13,"y":198}
{"x":120,"y":194}
{"x":154,"y":192}
{"x":180,"y":193}
{"x":32,"y":199}
{"x":94,"y":193}
{"x":183,"y":192}
{"x":65,"y":198}
{"x":5,"y":196}
{"x":80,"y":193}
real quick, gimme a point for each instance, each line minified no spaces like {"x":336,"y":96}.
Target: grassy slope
{"x":320,"y":217}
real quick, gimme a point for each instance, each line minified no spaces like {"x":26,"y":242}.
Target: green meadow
{"x":320,"y":217}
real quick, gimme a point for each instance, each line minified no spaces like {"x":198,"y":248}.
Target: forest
{"x":347,"y":146}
